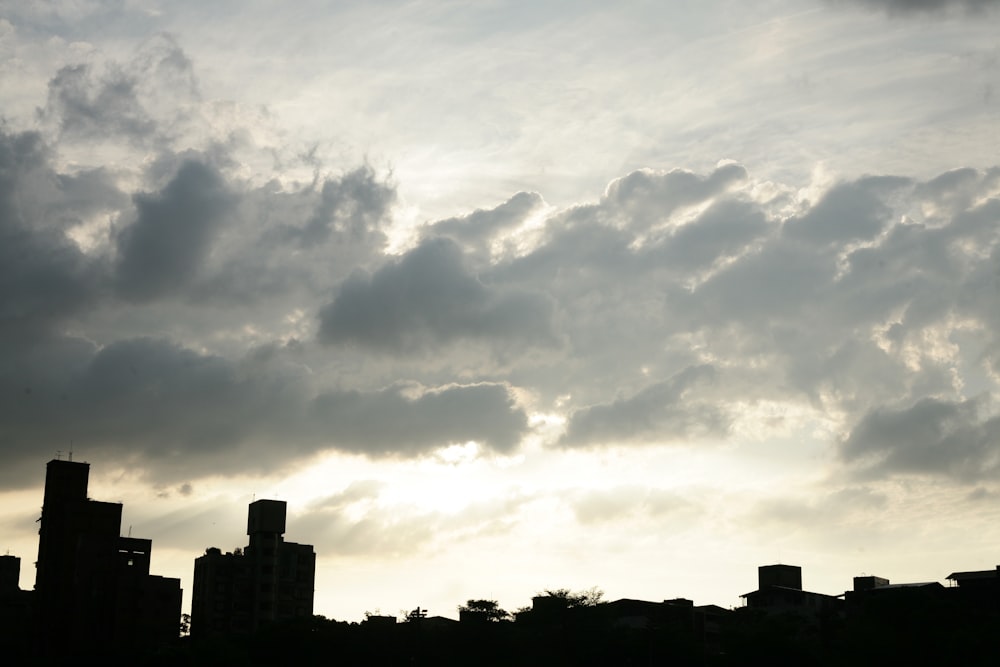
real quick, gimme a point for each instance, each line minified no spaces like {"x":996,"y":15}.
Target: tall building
{"x":16,"y":613}
{"x":269,"y":580}
{"x":94,"y":593}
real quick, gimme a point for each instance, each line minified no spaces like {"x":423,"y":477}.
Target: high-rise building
{"x":16,"y":613}
{"x":269,"y":580}
{"x":94,"y":593}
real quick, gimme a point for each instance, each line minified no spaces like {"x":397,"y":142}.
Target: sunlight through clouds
{"x":507,"y":296}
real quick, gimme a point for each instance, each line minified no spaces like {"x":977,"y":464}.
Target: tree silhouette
{"x":489,"y":609}
{"x":588,"y":598}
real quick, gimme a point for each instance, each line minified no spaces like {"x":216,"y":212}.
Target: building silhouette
{"x":95,"y":602}
{"x":16,"y":612}
{"x":779,"y":589}
{"x":94,"y":594}
{"x":269,"y":580}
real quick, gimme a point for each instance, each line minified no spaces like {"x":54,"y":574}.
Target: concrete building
{"x":779,"y":589}
{"x":16,"y":613}
{"x":269,"y":580}
{"x":94,"y":594}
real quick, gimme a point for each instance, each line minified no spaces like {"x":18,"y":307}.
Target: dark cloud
{"x":905,"y":7}
{"x":393,"y":421}
{"x":941,"y":438}
{"x":482,"y":225}
{"x":164,"y":409}
{"x":44,"y":275}
{"x":647,"y":198}
{"x":957,"y":190}
{"x":633,"y":233}
{"x":723,"y":231}
{"x":811,"y":302}
{"x":85,"y":107}
{"x":140,"y":101}
{"x":162,"y":251}
{"x":430,"y":297}
{"x":288,"y":244}
{"x":353,"y":205}
{"x":855,"y":211}
{"x":662,"y":412}
{"x":173,"y":344}
{"x":778,"y":284}
{"x":177,"y":414}
{"x":835,"y":306}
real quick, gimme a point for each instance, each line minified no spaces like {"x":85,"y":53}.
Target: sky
{"x":509,"y":296}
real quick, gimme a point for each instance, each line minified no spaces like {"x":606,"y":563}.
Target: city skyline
{"x":526,"y":295}
{"x":271,"y":580}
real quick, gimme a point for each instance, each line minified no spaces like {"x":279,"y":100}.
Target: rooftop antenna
{"x":58,"y":455}
{"x":70,"y":450}
{"x":130,"y":530}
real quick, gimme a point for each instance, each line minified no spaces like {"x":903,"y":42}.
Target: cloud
{"x":833,"y":507}
{"x":393,"y":421}
{"x":142,"y":101}
{"x":353,"y":205}
{"x":959,"y":440}
{"x":482,"y":225}
{"x":429,"y":298}
{"x":621,"y":503}
{"x":662,"y":412}
{"x":280,"y":247}
{"x":177,"y":414}
{"x":358,"y":521}
{"x":44,"y":276}
{"x":907,"y":7}
{"x":723,"y":231}
{"x":162,"y":251}
{"x":357,"y":491}
{"x":855,"y":211}
{"x":955,"y":190}
{"x":647,"y":198}
{"x":86,"y":108}
{"x":228,"y":313}
{"x":198,"y":524}
{"x":855,"y":516}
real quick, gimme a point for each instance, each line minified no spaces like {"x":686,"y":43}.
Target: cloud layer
{"x":195,"y":304}
{"x":204,"y":314}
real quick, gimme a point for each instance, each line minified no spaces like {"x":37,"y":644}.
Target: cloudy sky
{"x":503,"y":296}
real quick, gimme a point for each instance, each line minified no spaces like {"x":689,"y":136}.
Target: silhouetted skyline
{"x":95,"y":600}
{"x":638,"y":295}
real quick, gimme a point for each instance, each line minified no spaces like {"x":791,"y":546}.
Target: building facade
{"x":94,"y":594}
{"x":269,"y":580}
